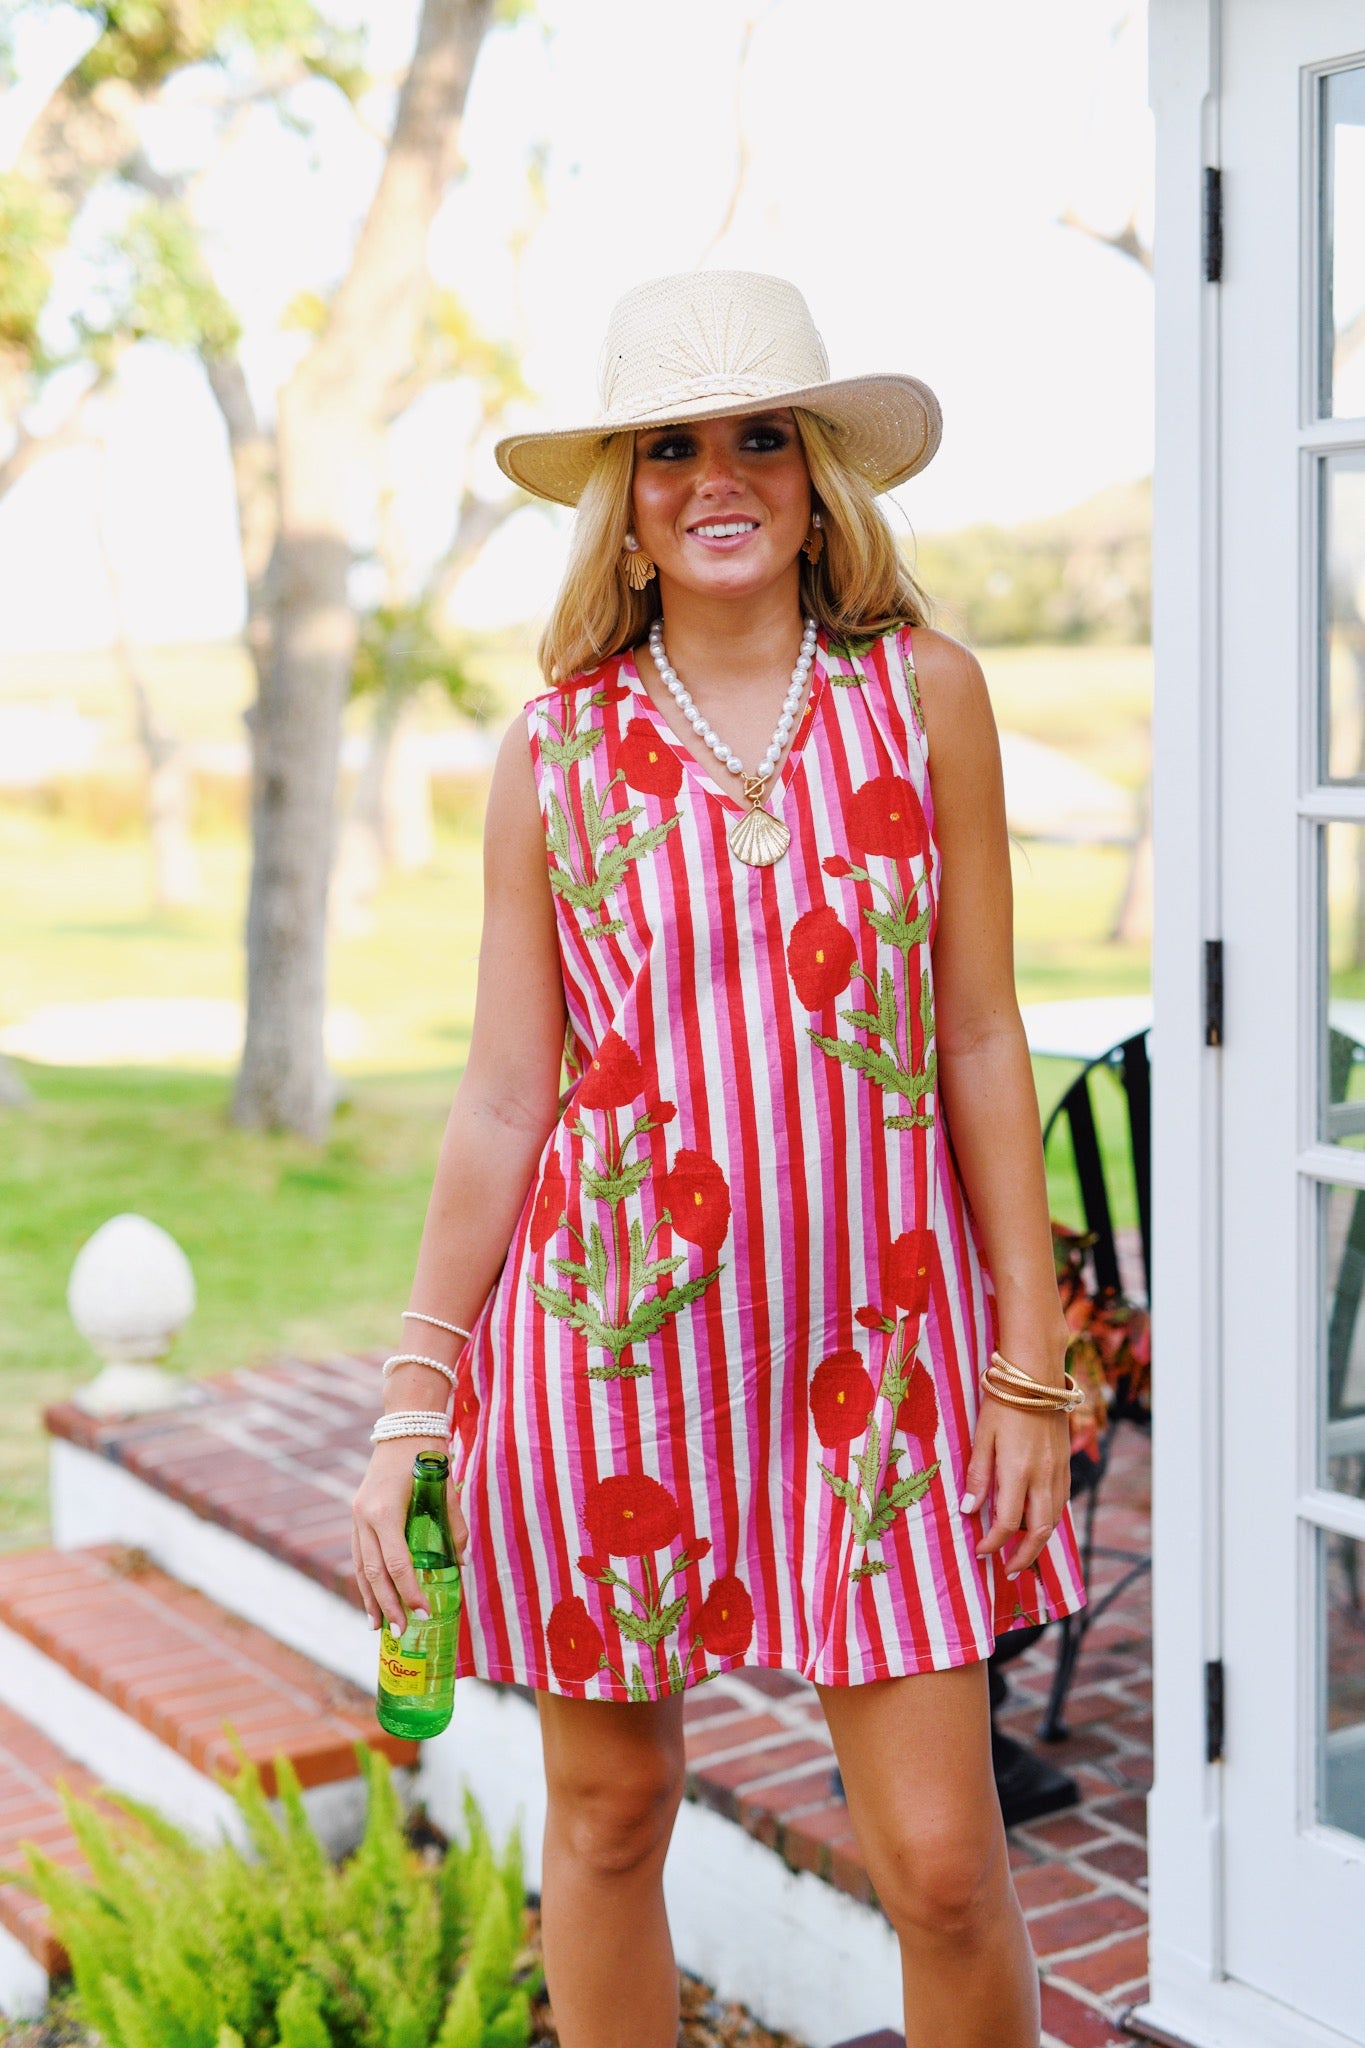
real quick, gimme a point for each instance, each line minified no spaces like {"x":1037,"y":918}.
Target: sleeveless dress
{"x":718,"y":1406}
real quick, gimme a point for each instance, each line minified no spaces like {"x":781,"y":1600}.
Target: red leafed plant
{"x":1110,"y":1353}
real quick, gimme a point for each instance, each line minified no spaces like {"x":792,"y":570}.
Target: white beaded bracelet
{"x":417,"y":1358}
{"x":409,"y":1422}
{"x":414,"y":1315}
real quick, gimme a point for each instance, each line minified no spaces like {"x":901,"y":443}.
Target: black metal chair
{"x":1344,"y":1417}
{"x":1128,"y":1062}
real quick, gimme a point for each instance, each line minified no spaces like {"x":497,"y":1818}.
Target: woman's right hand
{"x":384,"y":1571}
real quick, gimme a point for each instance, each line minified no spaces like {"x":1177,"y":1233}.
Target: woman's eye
{"x":767,"y":440}
{"x":677,"y":447}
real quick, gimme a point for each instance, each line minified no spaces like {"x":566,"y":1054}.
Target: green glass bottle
{"x":416,"y":1694}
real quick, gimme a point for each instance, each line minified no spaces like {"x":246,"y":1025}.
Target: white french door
{"x":1291,"y":616}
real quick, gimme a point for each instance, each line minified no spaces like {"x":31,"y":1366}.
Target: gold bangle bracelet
{"x":1018,"y":1389}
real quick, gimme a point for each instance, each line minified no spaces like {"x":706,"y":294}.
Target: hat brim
{"x":888,"y":427}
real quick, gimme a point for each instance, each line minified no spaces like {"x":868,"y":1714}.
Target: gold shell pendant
{"x":759,"y":838}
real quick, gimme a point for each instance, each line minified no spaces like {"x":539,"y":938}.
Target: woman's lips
{"x":723,"y":535}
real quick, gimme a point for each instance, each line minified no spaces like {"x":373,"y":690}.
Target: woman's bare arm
{"x":504,"y":1108}
{"x":987,"y":1091}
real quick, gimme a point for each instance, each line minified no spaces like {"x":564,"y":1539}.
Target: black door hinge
{"x":1213,"y":991}
{"x":1213,"y":224}
{"x":1213,"y":1711}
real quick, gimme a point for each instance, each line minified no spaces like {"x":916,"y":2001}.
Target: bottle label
{"x":400,"y":1672}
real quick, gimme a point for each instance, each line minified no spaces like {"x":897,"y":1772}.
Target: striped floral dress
{"x":717,"y":1408}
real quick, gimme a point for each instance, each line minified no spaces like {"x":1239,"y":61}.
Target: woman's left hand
{"x":1027,"y":1458}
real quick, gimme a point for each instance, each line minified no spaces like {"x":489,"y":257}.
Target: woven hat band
{"x":667,"y":405}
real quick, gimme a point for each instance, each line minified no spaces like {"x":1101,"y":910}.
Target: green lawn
{"x":309,"y":1249}
{"x":294,"y":1248}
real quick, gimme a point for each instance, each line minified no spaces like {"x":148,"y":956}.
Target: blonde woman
{"x":766,"y":1362}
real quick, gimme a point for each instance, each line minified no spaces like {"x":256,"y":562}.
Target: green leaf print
{"x":637,"y":1628}
{"x":648,"y":1320}
{"x":564,"y":753}
{"x":586,"y":870}
{"x":614,"y":1187}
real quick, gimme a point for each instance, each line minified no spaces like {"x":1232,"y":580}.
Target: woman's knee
{"x":946,"y":1883}
{"x":614,"y":1818}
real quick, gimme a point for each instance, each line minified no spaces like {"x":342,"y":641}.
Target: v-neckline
{"x":698,"y":770}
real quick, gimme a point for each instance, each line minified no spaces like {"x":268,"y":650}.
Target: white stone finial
{"x":130,"y":1291}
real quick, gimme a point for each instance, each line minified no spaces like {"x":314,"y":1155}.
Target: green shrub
{"x":174,"y":1945}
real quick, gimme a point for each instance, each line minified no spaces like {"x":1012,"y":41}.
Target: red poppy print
{"x":551,"y":1201}
{"x":820,"y":954}
{"x":917,"y":1414}
{"x":837,"y":866}
{"x":614,"y":1077}
{"x":647,"y":762}
{"x":575,"y":1641}
{"x":631,"y":1514}
{"x":841,"y":1398}
{"x":907,"y":1270}
{"x":726,"y":1620}
{"x":884,"y":816}
{"x":697,"y":1197}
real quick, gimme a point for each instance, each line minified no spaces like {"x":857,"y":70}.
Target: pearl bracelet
{"x":417,"y":1358}
{"x":409,"y":1422}
{"x":414,"y":1315}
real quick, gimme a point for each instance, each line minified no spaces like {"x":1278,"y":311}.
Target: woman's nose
{"x":717,"y":471}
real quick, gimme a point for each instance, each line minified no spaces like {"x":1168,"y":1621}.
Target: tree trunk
{"x":360,"y":855}
{"x":283,"y":1082}
{"x":330,"y":416}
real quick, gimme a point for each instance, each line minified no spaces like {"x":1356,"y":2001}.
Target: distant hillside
{"x":1083,"y":576}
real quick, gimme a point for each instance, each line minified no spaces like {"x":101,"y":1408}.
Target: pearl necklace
{"x":759,"y":838}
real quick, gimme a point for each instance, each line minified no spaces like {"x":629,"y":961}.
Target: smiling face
{"x":722,"y":506}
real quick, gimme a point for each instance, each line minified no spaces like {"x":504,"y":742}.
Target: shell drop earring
{"x":637,"y":568}
{"x":813,"y":546}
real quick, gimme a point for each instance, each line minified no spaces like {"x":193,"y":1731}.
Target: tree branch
{"x":1126,"y":241}
{"x":374,"y":317}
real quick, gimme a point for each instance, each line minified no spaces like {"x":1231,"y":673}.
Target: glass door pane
{"x":1341,"y":1456}
{"x":1342,"y":245}
{"x":1341,"y":1779}
{"x":1341,"y":656}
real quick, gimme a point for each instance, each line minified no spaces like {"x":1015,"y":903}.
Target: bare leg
{"x":915,"y":1755}
{"x":615,"y":1777}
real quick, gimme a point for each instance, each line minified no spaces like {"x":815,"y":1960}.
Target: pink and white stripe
{"x":698,"y":987}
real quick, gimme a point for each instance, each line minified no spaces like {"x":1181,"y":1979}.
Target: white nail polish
{"x":419,"y":1614}
{"x":968,"y":1503}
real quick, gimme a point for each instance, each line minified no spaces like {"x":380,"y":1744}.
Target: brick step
{"x":31,"y":1768}
{"x":179,"y":1667}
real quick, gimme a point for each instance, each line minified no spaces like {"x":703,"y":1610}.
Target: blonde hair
{"x":860,"y":586}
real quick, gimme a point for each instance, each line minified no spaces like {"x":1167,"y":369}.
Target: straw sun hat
{"x":712,"y":343}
